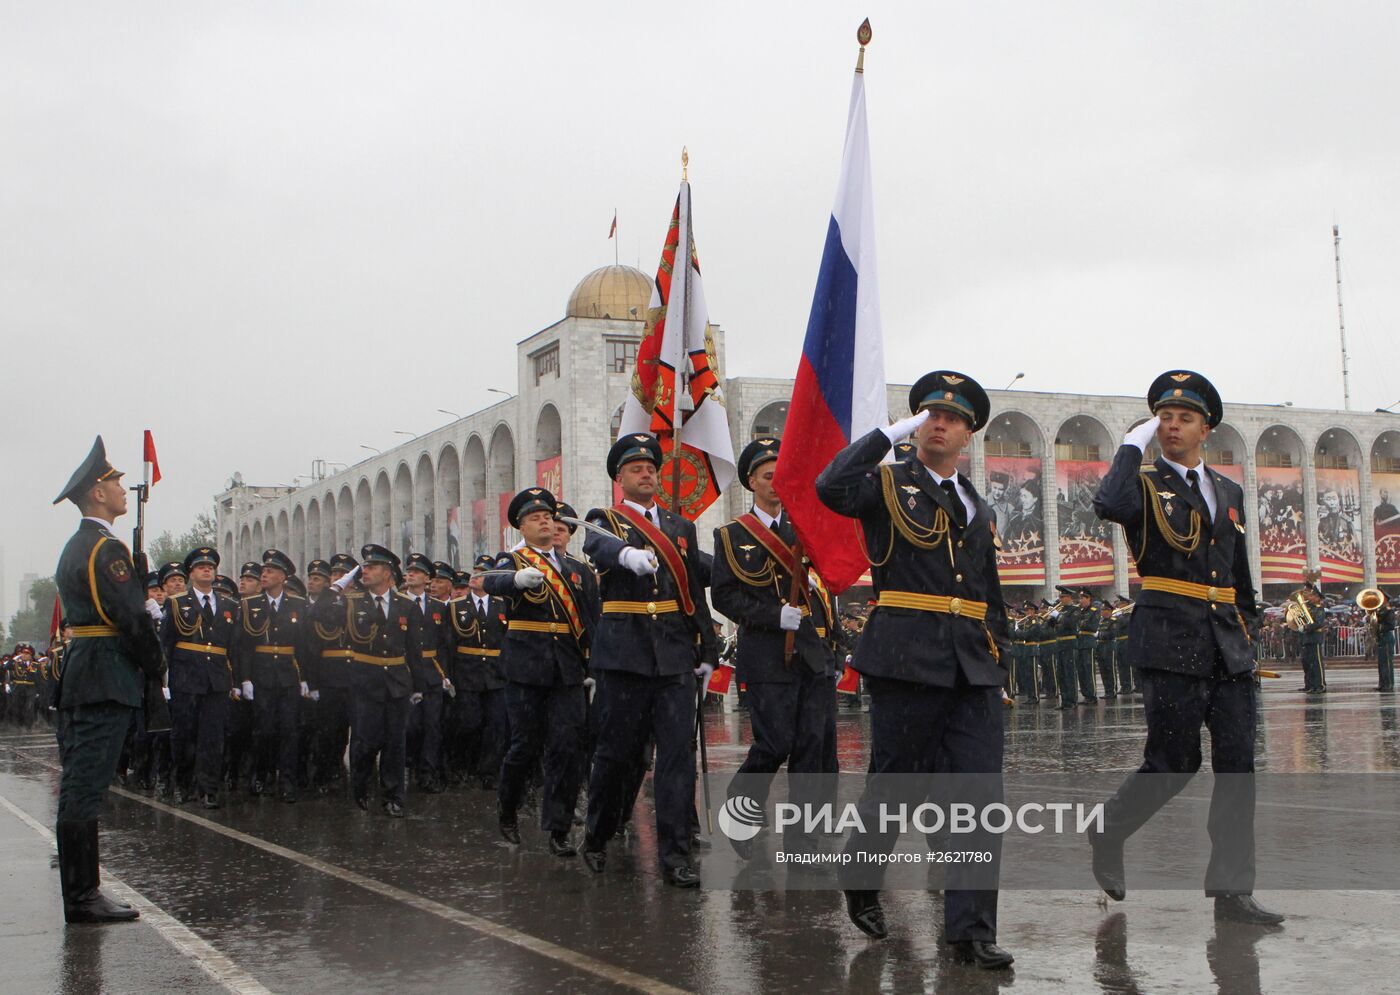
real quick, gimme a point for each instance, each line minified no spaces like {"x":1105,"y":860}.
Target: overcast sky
{"x":271,"y":232}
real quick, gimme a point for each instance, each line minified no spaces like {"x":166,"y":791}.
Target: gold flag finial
{"x":685,"y":164}
{"x":862,"y":36}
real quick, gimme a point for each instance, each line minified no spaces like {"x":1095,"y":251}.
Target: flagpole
{"x":615,"y":237}
{"x":682,"y":371}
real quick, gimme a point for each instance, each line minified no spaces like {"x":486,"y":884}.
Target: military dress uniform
{"x":1066,"y":627}
{"x":1086,"y":638}
{"x":1385,"y":647}
{"x":1310,"y":640}
{"x":934,"y":650}
{"x":1103,"y":652}
{"x":792,"y":703}
{"x":480,"y":727}
{"x":272,"y":640}
{"x":1122,"y":661}
{"x":544,"y":657}
{"x":1189,"y":641}
{"x":655,"y":630}
{"x":332,"y":670}
{"x":425,"y":718}
{"x":115,"y":650}
{"x":198,"y":633}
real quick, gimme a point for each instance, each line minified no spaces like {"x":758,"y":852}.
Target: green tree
{"x":169,"y":548}
{"x":32,"y":624}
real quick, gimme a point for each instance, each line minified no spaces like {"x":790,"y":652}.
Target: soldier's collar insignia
{"x":1166,"y":495}
{"x":909,"y":488}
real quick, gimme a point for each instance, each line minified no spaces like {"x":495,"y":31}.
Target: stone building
{"x":1322,"y":487}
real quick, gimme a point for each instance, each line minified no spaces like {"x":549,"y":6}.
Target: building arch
{"x":449,"y":500}
{"x":770,"y":420}
{"x":423,"y":516}
{"x":297,"y":537}
{"x":474,"y":479}
{"x":549,"y":449}
{"x":1280,"y":508}
{"x":381,"y":529}
{"x":1341,"y":547}
{"x":500,"y":483}
{"x":363,"y":516}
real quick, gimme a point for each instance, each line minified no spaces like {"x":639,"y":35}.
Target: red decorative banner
{"x":1387,"y":527}
{"x":1339,"y":526}
{"x":1014,"y":492}
{"x":1085,"y":541}
{"x":549,"y":473}
{"x":1283,"y":551}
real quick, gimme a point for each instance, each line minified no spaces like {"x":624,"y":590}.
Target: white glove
{"x":315,"y":695}
{"x":234,"y":694}
{"x":153,"y":609}
{"x":348,"y":579}
{"x":305,"y":691}
{"x":641,"y":562}
{"x":1144,"y":434}
{"x":703,"y":672}
{"x":447,"y":685}
{"x":165,"y":692}
{"x":529,"y":577}
{"x":903,"y":428}
{"x":247,"y":690}
{"x":589,"y":682}
{"x":415,"y":697}
{"x":789,"y":618}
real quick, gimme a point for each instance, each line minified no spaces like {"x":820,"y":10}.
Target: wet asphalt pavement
{"x":318,"y":896}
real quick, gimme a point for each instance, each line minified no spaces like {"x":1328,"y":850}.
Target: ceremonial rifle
{"x":156,"y":709}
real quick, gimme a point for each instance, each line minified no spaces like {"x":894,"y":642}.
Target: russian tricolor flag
{"x":840,"y":390}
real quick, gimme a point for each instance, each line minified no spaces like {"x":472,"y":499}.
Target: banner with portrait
{"x":1339,"y":526}
{"x":1014,"y":492}
{"x":549,"y":474}
{"x":1283,"y":550}
{"x":1386,"y":516}
{"x":1085,"y":541}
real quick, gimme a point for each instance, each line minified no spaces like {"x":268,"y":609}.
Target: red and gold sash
{"x":561,"y":592}
{"x":776,"y":548}
{"x":665,"y":549}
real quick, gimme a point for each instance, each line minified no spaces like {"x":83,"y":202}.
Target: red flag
{"x":613,"y":230}
{"x":54,"y":623}
{"x":849,"y":682}
{"x":149,"y":456}
{"x":719,"y":680}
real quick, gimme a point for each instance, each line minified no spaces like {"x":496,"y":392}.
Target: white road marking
{"x":507,"y":934}
{"x":216,"y":965}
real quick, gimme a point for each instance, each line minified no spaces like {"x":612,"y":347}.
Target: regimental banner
{"x":1013,"y":491}
{"x":1339,"y":526}
{"x":479,"y":542}
{"x":1387,"y":525}
{"x":454,"y":537}
{"x":1086,"y":542}
{"x":549,"y":474}
{"x":1283,"y":550}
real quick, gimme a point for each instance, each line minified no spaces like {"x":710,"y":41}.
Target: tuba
{"x":1371,"y":600}
{"x":1296,"y":615}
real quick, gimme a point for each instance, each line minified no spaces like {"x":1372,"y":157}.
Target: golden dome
{"x":611,"y":292}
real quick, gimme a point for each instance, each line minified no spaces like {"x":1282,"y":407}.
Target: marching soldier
{"x":384,"y":632}
{"x":1087,"y":623}
{"x":480,"y":729}
{"x":24,"y":684}
{"x":1385,"y":646}
{"x":935,"y":649}
{"x":271,"y":634}
{"x":333,"y":669}
{"x":1065,"y":619}
{"x":114,"y":651}
{"x":1185,"y":524}
{"x":238,"y":749}
{"x":792,"y":702}
{"x":425,"y":718}
{"x":655,"y":638}
{"x":544,"y":657}
{"x":1103,"y":650}
{"x":197,"y":633}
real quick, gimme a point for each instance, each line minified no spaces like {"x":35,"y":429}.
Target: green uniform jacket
{"x":98,"y":587}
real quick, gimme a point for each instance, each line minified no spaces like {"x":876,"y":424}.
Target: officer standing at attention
{"x":271,"y":636}
{"x":792,"y":702}
{"x":544,"y":655}
{"x":115,"y":649}
{"x":1185,"y":526}
{"x":1103,"y":650}
{"x":935,"y":649}
{"x":654,"y":640}
{"x":198,"y":633}
{"x":1066,"y":625}
{"x":1310,"y":640}
{"x":1385,"y":646}
{"x":1086,"y":635}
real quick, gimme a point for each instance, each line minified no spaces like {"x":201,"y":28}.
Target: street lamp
{"x":1013,"y":381}
{"x":372,"y":449}
{"x":497,"y":390}
{"x":444,"y":411}
{"x":411,"y":435}
{"x":1386,"y":410}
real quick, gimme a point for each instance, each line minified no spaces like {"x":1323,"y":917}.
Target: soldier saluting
{"x":114,"y":650}
{"x":1188,"y":638}
{"x":935,"y":650}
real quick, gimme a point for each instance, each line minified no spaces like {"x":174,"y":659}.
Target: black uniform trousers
{"x":379,"y":729}
{"x":1045,"y":655}
{"x":276,"y":712}
{"x":1385,"y":660}
{"x":1126,"y":685}
{"x":1314,"y":670}
{"x":425,"y":736}
{"x":790,"y":725}
{"x":1103,"y":653}
{"x":480,"y":732}
{"x":333,"y":718}
{"x":198,"y":725}
{"x":1025,"y":673}
{"x":238,"y":746}
{"x":1065,"y":671}
{"x":918,"y":729}
{"x":1084,"y":656}
{"x":1177,"y":705}
{"x":544,"y":721}
{"x":92,"y":742}
{"x":631,"y":706}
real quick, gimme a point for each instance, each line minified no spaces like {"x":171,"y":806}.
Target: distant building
{"x":1322,"y":487}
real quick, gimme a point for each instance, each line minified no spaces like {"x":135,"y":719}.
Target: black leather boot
{"x":83,"y":901}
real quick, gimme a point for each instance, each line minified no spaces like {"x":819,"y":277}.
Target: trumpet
{"x":1122,"y":610}
{"x":1371,"y":600}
